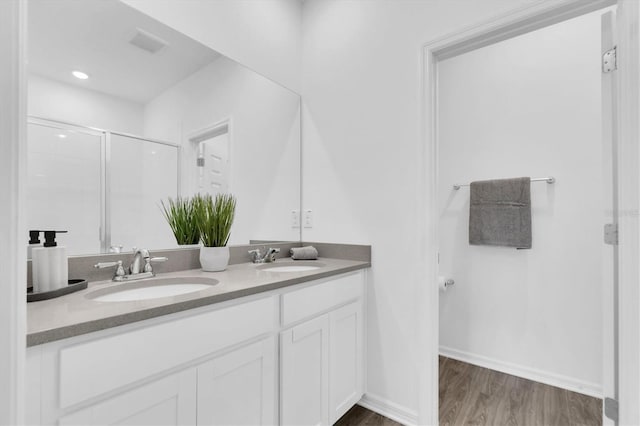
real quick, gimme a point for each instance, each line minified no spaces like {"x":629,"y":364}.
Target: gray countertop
{"x":75,"y":314}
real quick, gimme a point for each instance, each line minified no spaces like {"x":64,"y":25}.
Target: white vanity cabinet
{"x":321,"y":359}
{"x":289,"y":356}
{"x":239,"y":388}
{"x":170,"y":401}
{"x":305,"y":373}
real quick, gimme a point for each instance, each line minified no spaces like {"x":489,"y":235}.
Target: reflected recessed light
{"x":80,"y":75}
{"x":61,"y":136}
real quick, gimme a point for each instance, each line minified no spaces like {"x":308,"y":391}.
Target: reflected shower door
{"x":142,"y":173}
{"x":64,"y":185}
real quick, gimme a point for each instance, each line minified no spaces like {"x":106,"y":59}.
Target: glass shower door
{"x":64,"y":184}
{"x":141,"y":173}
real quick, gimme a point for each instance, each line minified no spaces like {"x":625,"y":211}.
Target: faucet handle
{"x":148,"y":260}
{"x":119,"y":268}
{"x":270,"y":256}
{"x":102,"y":265}
{"x":255,"y":255}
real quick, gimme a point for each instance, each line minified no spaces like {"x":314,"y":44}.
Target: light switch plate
{"x":307,"y":218}
{"x":295,"y":218}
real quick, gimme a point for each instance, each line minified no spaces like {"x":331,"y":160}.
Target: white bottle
{"x":50,"y":265}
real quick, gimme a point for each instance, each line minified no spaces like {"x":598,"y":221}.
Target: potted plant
{"x":180,"y":215}
{"x":214,"y":217}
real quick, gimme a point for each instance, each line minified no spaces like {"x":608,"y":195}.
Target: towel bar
{"x":549,"y":180}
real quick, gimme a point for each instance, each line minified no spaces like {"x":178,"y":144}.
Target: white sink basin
{"x":291,"y":267}
{"x":154,"y":288}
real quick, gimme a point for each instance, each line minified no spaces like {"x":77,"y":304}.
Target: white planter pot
{"x":213,"y":259}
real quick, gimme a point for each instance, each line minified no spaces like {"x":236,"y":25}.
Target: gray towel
{"x":304,"y":253}
{"x":500,"y":213}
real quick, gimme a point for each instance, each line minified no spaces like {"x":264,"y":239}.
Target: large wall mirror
{"x":125,"y":112}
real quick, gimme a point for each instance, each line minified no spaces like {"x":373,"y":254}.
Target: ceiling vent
{"x":147,"y":41}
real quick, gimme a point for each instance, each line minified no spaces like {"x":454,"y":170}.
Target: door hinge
{"x":200,"y":162}
{"x":609,"y":60}
{"x":611,"y":234}
{"x":611,"y":409}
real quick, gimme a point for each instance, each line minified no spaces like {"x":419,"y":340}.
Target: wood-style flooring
{"x":360,"y":416}
{"x":471,"y":395}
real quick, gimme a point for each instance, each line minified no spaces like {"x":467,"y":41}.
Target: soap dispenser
{"x":50,"y":264}
{"x":34,"y":241}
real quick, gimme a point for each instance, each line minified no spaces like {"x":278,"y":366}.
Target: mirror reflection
{"x":125,"y":112}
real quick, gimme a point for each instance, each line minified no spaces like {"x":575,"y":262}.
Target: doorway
{"x":505,"y":267}
{"x":212,"y":149}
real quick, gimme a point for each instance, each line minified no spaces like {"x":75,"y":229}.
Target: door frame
{"x":515,"y":23}
{"x":13,"y":257}
{"x":220,"y":127}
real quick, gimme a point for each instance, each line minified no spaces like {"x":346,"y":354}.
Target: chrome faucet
{"x":137,"y":270}
{"x":136,"y":264}
{"x":269,"y":255}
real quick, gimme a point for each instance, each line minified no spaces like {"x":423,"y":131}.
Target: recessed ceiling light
{"x":61,"y":136}
{"x":81,"y":75}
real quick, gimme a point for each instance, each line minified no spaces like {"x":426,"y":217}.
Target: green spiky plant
{"x":214,"y":217}
{"x":180,"y":215}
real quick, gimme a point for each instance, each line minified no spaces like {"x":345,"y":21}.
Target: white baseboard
{"x":548,"y":378}
{"x":389,"y":409}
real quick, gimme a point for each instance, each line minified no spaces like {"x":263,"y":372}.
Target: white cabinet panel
{"x":345,"y":359}
{"x":239,"y":388}
{"x":170,"y":401}
{"x":157,"y":348}
{"x":305,"y":373}
{"x":310,"y":301}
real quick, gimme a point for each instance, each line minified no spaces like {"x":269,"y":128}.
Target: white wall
{"x":361,"y":135}
{"x":262,"y":34}
{"x":264,"y":142}
{"x":63,"y":102}
{"x":525,"y":107}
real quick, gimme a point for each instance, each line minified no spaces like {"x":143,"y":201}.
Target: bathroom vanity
{"x":259,"y":347}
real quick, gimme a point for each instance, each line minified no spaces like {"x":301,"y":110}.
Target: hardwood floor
{"x":360,"y":416}
{"x":471,"y":395}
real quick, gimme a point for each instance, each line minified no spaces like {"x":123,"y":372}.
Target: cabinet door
{"x":305,"y":373}
{"x":169,"y":401}
{"x":239,"y":388}
{"x":346,"y":359}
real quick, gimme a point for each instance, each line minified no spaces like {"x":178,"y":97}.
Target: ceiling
{"x":93,"y":36}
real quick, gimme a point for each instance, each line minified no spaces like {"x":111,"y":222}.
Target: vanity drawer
{"x":310,"y":301}
{"x":92,"y":368}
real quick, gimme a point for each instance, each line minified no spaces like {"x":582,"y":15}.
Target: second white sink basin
{"x":154,"y":288}
{"x":296,"y":266}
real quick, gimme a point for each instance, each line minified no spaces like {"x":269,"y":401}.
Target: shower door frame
{"x":105,"y":166}
{"x":515,"y":23}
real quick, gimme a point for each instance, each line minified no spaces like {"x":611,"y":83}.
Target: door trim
{"x":515,"y":23}
{"x":13,"y":125}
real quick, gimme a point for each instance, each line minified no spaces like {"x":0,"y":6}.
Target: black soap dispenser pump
{"x":50,"y":264}
{"x":34,"y":241}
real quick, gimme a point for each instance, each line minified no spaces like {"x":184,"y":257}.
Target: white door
{"x":170,"y":401}
{"x":610,"y":251}
{"x":213,"y":165}
{"x":345,"y":359}
{"x":239,"y":388}
{"x":304,"y":392}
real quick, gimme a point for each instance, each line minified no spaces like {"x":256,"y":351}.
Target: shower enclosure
{"x":102,"y":186}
